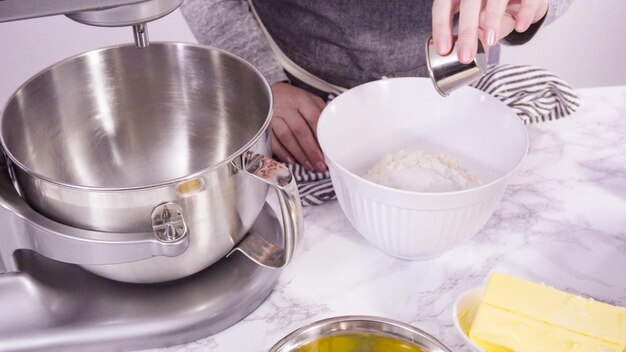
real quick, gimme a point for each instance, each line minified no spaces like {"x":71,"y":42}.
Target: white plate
{"x":463,"y":314}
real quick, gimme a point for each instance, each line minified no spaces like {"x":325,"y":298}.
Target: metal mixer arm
{"x":106,"y":13}
{"x":23,"y":228}
{"x":13,"y":10}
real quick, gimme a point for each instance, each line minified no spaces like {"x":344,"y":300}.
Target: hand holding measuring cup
{"x":487,"y":20}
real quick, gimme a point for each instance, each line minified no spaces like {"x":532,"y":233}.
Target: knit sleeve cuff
{"x":516,"y":38}
{"x":556,"y":8}
{"x":274,"y":74}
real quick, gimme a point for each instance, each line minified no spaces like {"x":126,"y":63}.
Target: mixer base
{"x":54,"y":306}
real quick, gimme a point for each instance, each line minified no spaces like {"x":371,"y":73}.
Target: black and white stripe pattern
{"x":534,"y":94}
{"x":315,"y":188}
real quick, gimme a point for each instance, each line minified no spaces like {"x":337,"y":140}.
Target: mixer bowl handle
{"x":254,"y":245}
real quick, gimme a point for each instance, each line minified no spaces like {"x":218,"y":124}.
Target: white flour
{"x":421,"y":172}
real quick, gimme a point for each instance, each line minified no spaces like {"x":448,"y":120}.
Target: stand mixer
{"x":48,"y":302}
{"x":51,"y":305}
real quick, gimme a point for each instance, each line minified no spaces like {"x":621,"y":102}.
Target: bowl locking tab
{"x":168,"y":222}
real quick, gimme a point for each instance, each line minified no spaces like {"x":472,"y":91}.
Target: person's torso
{"x":351,"y":42}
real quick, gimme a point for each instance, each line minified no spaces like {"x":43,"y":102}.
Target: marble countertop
{"x":562,"y":221}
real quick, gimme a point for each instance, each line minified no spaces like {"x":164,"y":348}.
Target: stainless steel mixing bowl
{"x":172,"y":138}
{"x":358,"y":334}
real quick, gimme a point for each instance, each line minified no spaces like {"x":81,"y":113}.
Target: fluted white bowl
{"x":359,"y":127}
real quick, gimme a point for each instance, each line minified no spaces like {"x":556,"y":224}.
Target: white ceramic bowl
{"x":367,"y":122}
{"x":463,"y":314}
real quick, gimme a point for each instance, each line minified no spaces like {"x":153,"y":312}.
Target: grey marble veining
{"x":562,"y":221}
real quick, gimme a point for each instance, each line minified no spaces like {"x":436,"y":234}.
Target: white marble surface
{"x":562,"y":221}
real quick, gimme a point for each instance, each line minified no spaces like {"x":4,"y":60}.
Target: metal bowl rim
{"x":209,"y":169}
{"x":372,"y":185}
{"x":430,"y":68}
{"x":358,"y":318}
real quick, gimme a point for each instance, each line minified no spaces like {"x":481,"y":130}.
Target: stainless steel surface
{"x":254,"y":246}
{"x":13,"y":10}
{"x":140,"y":33}
{"x":359,"y":324}
{"x":168,"y":222}
{"x":126,"y":15}
{"x":98,"y":140}
{"x":52,"y":306}
{"x":448,"y":73}
{"x":22,"y":228}
{"x":93,"y":12}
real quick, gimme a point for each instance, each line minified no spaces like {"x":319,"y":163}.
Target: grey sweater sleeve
{"x":556,"y":8}
{"x":229,"y":25}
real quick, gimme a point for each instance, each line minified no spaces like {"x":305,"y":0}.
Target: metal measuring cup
{"x":448,"y":73}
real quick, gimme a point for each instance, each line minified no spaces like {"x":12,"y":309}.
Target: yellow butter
{"x":497,"y":330}
{"x":518,"y":315}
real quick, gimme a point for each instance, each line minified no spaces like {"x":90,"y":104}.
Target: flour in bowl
{"x":421,"y":172}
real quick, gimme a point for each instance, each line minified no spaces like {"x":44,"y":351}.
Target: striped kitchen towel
{"x":535,"y":94}
{"x":315,"y":188}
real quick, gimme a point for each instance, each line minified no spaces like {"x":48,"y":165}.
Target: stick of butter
{"x":521,"y":316}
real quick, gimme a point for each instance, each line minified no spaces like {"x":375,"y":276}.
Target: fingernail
{"x":321,"y":167}
{"x":491,"y":37}
{"x":442,"y":47}
{"x":290,"y":161}
{"x":521,"y":25}
{"x":464,"y":54}
{"x":309,"y":166}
